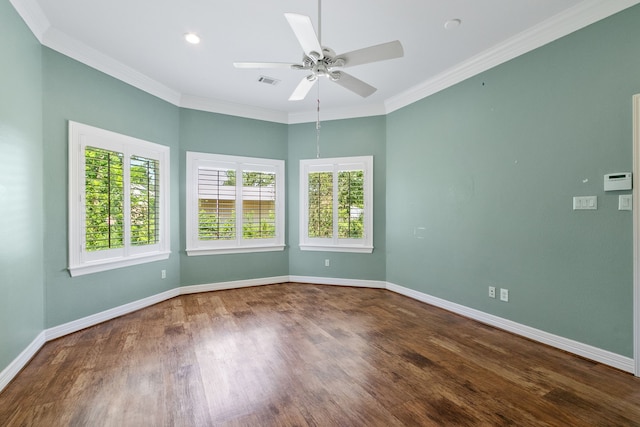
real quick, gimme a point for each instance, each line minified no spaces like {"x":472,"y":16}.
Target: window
{"x":336,"y":209}
{"x":234,"y":204}
{"x":119,"y":198}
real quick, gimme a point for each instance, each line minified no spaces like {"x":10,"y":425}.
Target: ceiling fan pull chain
{"x":318,"y":126}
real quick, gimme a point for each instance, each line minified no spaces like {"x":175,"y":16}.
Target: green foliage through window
{"x":321,"y":204}
{"x":104,"y":199}
{"x":144,"y":202}
{"x":351,"y":204}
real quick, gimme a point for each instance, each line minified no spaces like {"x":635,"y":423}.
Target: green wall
{"x":472,"y":187}
{"x":338,"y":138}
{"x":73,"y":91}
{"x":221,"y":134}
{"x":485,"y":172}
{"x":21,"y":232}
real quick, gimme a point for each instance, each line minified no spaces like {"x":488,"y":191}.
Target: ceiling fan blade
{"x":380,"y":52}
{"x":303,"y":88}
{"x":354,"y":85}
{"x":263,"y":65}
{"x":306,"y":35}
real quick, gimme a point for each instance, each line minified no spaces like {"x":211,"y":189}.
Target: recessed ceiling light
{"x":452,"y":23}
{"x":192,"y":38}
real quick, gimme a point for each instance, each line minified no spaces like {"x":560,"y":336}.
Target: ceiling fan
{"x":322,"y":61}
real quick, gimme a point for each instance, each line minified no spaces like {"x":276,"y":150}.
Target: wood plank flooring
{"x":306,"y":355}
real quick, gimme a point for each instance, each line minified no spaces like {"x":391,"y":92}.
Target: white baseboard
{"x":339,"y":282}
{"x":103,"y":316}
{"x":221,"y":286}
{"x":21,"y":361}
{"x":593,"y":353}
{"x":584,"y":350}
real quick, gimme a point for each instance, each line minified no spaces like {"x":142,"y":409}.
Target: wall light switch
{"x":625,"y":202}
{"x":585,"y":203}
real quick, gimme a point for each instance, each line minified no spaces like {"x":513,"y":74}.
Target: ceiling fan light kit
{"x":322,"y":61}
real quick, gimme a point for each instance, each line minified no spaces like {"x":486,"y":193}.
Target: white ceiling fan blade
{"x":375,"y":53}
{"x":354,"y":85}
{"x":306,"y":35}
{"x":262,"y":65}
{"x":303,"y":88}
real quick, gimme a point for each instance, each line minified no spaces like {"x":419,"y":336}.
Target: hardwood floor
{"x":306,"y":355}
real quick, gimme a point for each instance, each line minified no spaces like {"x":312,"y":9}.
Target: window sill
{"x":111,"y":264}
{"x":333,"y":248}
{"x":234,"y":250}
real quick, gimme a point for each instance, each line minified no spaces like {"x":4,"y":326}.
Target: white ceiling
{"x":141,"y":42}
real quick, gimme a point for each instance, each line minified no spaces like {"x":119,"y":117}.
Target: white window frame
{"x":84,"y":262}
{"x":195,"y":246}
{"x":335,"y":165}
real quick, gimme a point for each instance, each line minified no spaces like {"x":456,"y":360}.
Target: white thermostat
{"x":617,"y":181}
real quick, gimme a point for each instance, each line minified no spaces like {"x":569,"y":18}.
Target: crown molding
{"x":36,"y":20}
{"x":75,"y":49}
{"x":558,"y":26}
{"x":232,"y":109}
{"x":33,"y":16}
{"x":241,"y":110}
{"x":368,"y":110}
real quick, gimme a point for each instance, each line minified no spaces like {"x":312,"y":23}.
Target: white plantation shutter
{"x":144,"y":178}
{"x":320,"y":205}
{"x":258,"y":204}
{"x":104,"y":199}
{"x":216,"y":205}
{"x":234,"y":204}
{"x":336,"y":209}
{"x":351,"y":213}
{"x":118,"y":200}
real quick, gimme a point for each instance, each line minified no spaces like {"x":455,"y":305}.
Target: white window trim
{"x":334,"y":244}
{"x":197,"y":247}
{"x":80,"y":261}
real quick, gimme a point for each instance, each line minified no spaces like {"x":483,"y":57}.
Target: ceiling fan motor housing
{"x":321,"y":60}
{"x":323,"y":66}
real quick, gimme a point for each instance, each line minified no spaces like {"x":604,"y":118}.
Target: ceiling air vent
{"x":268,"y":80}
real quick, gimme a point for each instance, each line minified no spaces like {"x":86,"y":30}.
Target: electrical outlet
{"x":327,"y":262}
{"x":504,"y":295}
{"x":163,"y":274}
{"x":492,"y":291}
